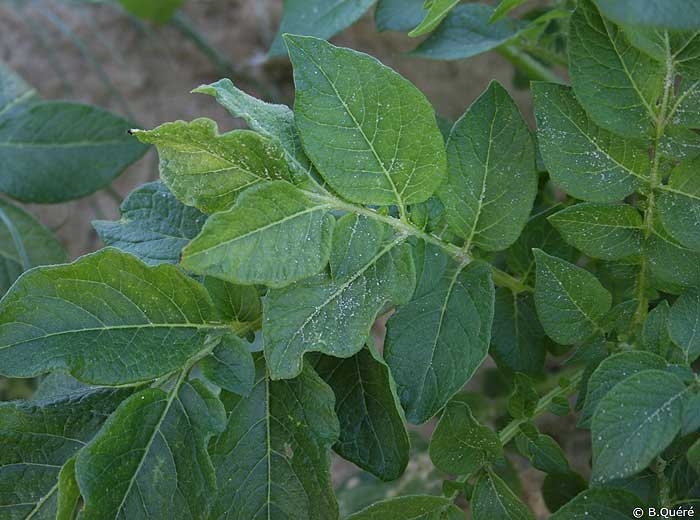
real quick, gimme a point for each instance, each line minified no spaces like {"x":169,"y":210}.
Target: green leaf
{"x":234,"y":302}
{"x":15,"y":93}
{"x":230,"y":365}
{"x":691,"y":417}
{"x":635,"y":422}
{"x":155,"y":226}
{"x":669,"y":14}
{"x":58,"y":151}
{"x":655,"y":334}
{"x":317,"y":18}
{"x":558,"y":490}
{"x":372,"y":135}
{"x":684,"y":324}
{"x":544,"y":453}
{"x":460,"y":444}
{"x":24,"y":243}
{"x":415,"y":507}
{"x":611,"y":371}
{"x":517,"y":338}
{"x":399,"y":15}
{"x":436,"y":342}
{"x":599,"y":504}
{"x":570,"y":301}
{"x":588,"y":162}
{"x":37,"y":438}
{"x":607,"y":231}
{"x":616,"y":83}
{"x":68,"y":492}
{"x":276,"y":122}
{"x":679,"y":204}
{"x":522,"y":402}
{"x":107,"y":318}
{"x":504,"y":7}
{"x":333,"y":312}
{"x":274,"y":235}
{"x":437,"y":11}
{"x":209,"y":170}
{"x":673,"y":265}
{"x":160,"y":11}
{"x":149,"y":460}
{"x":492,"y":180}
{"x":467,"y":32}
{"x":372,"y":432}
{"x":273,"y":459}
{"x":492,"y":498}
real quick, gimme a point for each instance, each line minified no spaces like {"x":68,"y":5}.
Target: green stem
{"x":528,"y":65}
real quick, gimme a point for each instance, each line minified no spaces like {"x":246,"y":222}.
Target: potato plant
{"x":208,"y":361}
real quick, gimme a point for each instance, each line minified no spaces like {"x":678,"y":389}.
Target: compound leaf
{"x":333,"y":312}
{"x":492,"y":181}
{"x":154,"y":446}
{"x":634,"y":422}
{"x":317,"y":18}
{"x":679,"y":204}
{"x":274,"y":235}
{"x":107,"y":318}
{"x":615,"y":82}
{"x":372,"y":432}
{"x":436,"y":342}
{"x":208,"y":170}
{"x":570,"y":301}
{"x":684,"y":324}
{"x":154,"y":226}
{"x":492,"y":498}
{"x":372,"y":135}
{"x":415,"y":507}
{"x":588,"y":162}
{"x":607,"y":231}
{"x":460,"y":444}
{"x":273,"y":459}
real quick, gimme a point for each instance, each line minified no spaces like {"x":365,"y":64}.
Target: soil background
{"x":96,"y":54}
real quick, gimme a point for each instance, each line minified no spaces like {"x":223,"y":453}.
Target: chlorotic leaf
{"x":460,"y":445}
{"x":684,"y":324}
{"x":570,"y":301}
{"x":372,"y":135}
{"x":155,"y":226}
{"x":273,"y":459}
{"x":517,"y":339}
{"x":258,"y":240}
{"x":230,"y":365}
{"x":679,"y":204}
{"x":24,"y":243}
{"x":275,"y":122}
{"x":415,"y":507}
{"x":585,"y":160}
{"x":492,"y":181}
{"x":492,"y":498}
{"x":436,"y":13}
{"x":149,"y":459}
{"x":607,"y":231}
{"x":611,"y":371}
{"x":635,"y":422}
{"x":208,"y":170}
{"x":467,"y":32}
{"x":107,"y":318}
{"x":600,"y":504}
{"x":38,"y":438}
{"x":372,"y":432}
{"x":58,"y":151}
{"x":616,"y":83}
{"x":662,"y":14}
{"x":436,"y":342}
{"x":332,"y":313}
{"x":317,"y":18}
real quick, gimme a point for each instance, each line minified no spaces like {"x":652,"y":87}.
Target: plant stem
{"x":528,"y":65}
